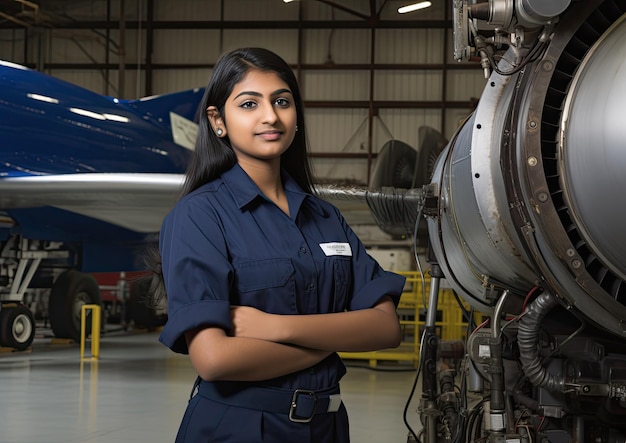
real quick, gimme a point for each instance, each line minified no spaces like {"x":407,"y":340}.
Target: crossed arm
{"x":264,"y":346}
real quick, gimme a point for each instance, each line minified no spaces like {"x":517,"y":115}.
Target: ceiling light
{"x":413,"y":7}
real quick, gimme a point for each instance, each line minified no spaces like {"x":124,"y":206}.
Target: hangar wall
{"x":368,"y":74}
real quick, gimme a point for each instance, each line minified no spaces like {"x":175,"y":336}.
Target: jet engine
{"x":527,"y":224}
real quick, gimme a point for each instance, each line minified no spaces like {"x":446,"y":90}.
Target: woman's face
{"x":260,"y":117}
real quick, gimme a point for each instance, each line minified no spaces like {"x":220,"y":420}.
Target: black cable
{"x":533,"y":55}
{"x":468,"y":314}
{"x":479,"y":422}
{"x":463,"y":419}
{"x":460,"y":424}
{"x":420,"y":360}
{"x":473,"y":417}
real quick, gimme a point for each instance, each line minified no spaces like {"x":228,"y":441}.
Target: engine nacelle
{"x":526,"y":223}
{"x":530,"y":189}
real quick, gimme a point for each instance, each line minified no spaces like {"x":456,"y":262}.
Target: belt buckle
{"x":292,"y":415}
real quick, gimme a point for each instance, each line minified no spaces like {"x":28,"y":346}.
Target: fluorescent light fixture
{"x":288,"y":1}
{"x":413,"y":7}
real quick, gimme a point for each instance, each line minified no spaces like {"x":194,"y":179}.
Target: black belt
{"x":301,"y":405}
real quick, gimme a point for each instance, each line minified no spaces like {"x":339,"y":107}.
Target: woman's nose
{"x":269,"y":114}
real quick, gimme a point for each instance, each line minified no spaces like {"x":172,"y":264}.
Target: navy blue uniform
{"x":226,"y":244}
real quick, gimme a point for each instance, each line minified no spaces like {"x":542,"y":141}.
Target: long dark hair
{"x":214,"y":155}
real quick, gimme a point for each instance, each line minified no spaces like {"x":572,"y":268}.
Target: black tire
{"x":71,"y":290}
{"x":17,"y":327}
{"x":139,"y":309}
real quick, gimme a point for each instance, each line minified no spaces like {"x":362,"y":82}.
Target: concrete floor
{"x":137,"y":391}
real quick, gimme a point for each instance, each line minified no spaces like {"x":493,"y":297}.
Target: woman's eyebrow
{"x":258,"y":94}
{"x":282,"y":91}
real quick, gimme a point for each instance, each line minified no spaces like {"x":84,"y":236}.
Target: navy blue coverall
{"x":226,"y":244}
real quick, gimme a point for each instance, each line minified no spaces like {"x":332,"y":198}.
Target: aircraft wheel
{"x":17,"y":327}
{"x":71,"y":290}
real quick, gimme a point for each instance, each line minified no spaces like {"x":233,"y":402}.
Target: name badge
{"x":336,"y":249}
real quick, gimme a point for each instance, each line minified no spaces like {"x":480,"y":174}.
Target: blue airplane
{"x":85,"y":181}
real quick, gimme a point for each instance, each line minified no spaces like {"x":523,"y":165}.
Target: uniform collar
{"x":246,"y":192}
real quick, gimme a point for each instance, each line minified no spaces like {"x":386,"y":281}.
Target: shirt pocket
{"x":267,"y":285}
{"x":342,"y":279}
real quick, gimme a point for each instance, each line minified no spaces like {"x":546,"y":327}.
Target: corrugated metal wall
{"x":344,"y":137}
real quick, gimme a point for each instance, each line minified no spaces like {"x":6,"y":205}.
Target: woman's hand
{"x":250,"y":322}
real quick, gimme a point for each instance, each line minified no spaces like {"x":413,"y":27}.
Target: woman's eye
{"x":282,"y":102}
{"x":248,"y":105}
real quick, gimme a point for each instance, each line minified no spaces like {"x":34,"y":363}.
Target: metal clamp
{"x":292,"y":409}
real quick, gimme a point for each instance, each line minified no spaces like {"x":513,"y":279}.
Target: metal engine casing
{"x":530,"y":189}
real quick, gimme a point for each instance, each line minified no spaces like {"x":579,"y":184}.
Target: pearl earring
{"x":219,"y":132}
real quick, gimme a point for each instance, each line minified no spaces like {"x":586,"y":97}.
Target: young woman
{"x":265,"y":282}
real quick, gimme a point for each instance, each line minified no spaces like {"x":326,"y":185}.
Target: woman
{"x":265,"y":282}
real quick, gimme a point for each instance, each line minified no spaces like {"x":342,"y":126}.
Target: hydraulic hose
{"x":528,"y":340}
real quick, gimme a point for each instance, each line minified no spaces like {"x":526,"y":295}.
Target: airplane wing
{"x":137,"y":201}
{"x":134,"y":201}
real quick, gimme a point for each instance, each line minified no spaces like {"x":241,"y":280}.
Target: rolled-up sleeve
{"x":370,"y":281}
{"x":370,"y":293}
{"x":196,"y":270}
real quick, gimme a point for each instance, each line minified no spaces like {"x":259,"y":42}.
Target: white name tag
{"x":336,"y":249}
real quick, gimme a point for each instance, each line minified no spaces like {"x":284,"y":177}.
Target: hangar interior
{"x":369,"y":77}
{"x":368,"y":74}
{"x":497,"y":123}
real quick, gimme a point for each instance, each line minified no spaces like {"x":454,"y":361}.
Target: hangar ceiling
{"x":371,"y":13}
{"x":78,"y":20}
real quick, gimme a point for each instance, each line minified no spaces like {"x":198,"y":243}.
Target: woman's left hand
{"x":253,"y":323}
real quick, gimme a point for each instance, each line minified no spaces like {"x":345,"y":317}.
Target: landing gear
{"x":17,"y":327}
{"x":71,"y":290}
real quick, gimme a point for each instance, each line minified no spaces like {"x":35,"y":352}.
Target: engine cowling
{"x":529,"y":190}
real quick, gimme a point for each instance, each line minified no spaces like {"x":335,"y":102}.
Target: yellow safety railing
{"x":449,"y":324}
{"x":95,"y":330}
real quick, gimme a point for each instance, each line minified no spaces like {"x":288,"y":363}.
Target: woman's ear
{"x":216,"y":121}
